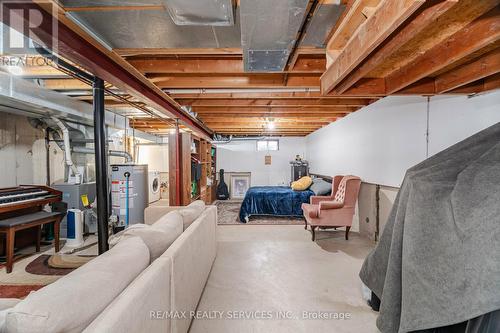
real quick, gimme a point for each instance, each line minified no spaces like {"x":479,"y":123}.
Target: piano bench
{"x":10,"y":225}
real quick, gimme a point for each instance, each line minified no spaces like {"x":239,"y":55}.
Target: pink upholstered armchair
{"x":336,"y":210}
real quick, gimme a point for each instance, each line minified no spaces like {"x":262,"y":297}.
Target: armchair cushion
{"x":310,"y":211}
{"x":315,"y":199}
{"x":324,"y":205}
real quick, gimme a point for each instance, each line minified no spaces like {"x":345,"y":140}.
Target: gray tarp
{"x":438,"y":260}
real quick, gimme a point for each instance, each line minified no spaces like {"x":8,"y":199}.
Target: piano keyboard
{"x":7,"y":198}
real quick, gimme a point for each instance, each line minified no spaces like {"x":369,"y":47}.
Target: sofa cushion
{"x":198,"y":247}
{"x":155,"y":239}
{"x":142,"y":306}
{"x":192,"y":212}
{"x":71,"y":303}
{"x":171,"y":223}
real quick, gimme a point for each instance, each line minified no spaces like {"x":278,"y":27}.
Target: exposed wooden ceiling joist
{"x":235,"y":81}
{"x":429,"y":14}
{"x":233,"y":65}
{"x":412,"y":47}
{"x":275,"y":102}
{"x":386,"y":18}
{"x":480,"y":68}
{"x":478,"y":34}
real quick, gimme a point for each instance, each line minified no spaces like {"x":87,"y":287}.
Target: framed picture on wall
{"x":240,"y":183}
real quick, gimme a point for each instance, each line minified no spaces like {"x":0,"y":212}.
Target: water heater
{"x":129,"y":192}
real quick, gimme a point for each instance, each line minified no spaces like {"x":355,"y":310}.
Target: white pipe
{"x":67,"y":148}
{"x":118,"y":153}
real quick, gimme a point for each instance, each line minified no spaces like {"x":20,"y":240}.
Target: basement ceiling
{"x":374,"y":48}
{"x":152,"y":27}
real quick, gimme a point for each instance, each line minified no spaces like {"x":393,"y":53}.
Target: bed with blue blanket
{"x":273,"y":200}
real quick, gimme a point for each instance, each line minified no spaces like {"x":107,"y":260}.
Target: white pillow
{"x":191,"y":212}
{"x":71,"y":303}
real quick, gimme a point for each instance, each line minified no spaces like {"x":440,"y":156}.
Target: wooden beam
{"x":132,"y":52}
{"x":480,"y":33}
{"x":365,"y":87}
{"x":302,"y":115}
{"x":455,"y":19}
{"x":492,"y":82}
{"x":275,"y":102}
{"x":390,"y":14}
{"x":350,"y":23}
{"x":284,"y":109}
{"x":482,"y":67}
{"x":233,"y":81}
{"x":298,"y":95}
{"x":217,"y":66}
{"x":249,"y":118}
{"x":424,"y":17}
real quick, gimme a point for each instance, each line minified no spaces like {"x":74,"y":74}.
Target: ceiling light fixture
{"x":270,"y":124}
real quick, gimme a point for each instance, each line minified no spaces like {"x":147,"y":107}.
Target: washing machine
{"x":154,"y":186}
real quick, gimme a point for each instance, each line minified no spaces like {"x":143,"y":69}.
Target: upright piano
{"x":22,"y":216}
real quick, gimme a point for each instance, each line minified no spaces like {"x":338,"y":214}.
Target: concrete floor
{"x":275,"y":279}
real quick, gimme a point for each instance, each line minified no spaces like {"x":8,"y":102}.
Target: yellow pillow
{"x":302,"y":184}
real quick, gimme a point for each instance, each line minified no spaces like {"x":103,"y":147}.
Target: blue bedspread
{"x":273,"y":200}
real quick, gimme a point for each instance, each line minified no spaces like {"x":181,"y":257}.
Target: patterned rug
{"x":228,"y":211}
{"x":18,"y":291}
{"x":57,"y":264}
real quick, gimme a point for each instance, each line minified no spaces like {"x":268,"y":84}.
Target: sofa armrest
{"x":154,"y":213}
{"x":325,"y":205}
{"x":316,"y":199}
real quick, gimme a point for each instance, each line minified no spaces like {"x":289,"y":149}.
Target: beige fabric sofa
{"x":156,"y":297}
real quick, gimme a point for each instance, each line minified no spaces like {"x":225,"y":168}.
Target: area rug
{"x":227,"y":212}
{"x":68,"y":261}
{"x":18,"y":291}
{"x":40,"y":266}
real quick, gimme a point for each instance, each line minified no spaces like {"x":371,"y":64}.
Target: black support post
{"x":101,"y":165}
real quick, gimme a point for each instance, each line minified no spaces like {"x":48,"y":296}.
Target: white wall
{"x":381,"y":141}
{"x":242,"y":156}
{"x":22,"y":152}
{"x":155,"y":156}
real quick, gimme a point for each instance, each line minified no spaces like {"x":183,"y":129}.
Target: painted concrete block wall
{"x":242,"y":156}
{"x":380,"y":142}
{"x":22,"y":152}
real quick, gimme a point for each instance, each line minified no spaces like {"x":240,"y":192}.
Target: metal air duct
{"x":268,"y":32}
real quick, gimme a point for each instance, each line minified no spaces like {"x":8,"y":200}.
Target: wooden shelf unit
{"x":202,"y":154}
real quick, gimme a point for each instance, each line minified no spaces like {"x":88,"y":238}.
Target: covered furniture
{"x":437,"y":262}
{"x":336,"y":210}
{"x":273,"y":200}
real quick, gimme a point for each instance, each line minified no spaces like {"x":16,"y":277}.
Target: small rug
{"x":18,"y":291}
{"x":68,"y":261}
{"x":40,"y":266}
{"x":228,"y":211}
